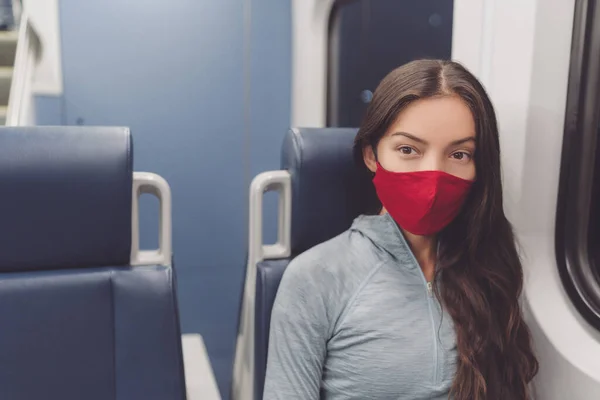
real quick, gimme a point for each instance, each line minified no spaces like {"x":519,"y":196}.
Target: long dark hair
{"x":478,"y":264}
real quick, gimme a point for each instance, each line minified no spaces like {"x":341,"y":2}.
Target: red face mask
{"x":421,"y":202}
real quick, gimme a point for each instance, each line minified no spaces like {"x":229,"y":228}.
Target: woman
{"x":419,"y":300}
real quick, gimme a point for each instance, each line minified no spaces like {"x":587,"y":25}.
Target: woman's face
{"x":435,"y":134}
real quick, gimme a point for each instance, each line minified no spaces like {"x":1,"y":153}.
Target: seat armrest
{"x":199,"y":376}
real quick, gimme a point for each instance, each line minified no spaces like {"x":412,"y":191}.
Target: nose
{"x":432,"y":162}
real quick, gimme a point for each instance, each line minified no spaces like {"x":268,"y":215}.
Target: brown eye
{"x":461,"y":155}
{"x":406,"y":150}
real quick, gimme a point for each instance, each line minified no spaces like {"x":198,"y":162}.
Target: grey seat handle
{"x":280,"y":181}
{"x":270,"y":181}
{"x":149,"y":183}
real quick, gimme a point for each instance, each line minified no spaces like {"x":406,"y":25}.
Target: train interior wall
{"x":205,"y":87}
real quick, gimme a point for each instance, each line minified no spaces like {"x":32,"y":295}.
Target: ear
{"x":369,"y":158}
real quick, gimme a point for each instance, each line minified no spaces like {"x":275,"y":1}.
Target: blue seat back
{"x":328,"y":191}
{"x":78,"y":322}
{"x":268,"y":276}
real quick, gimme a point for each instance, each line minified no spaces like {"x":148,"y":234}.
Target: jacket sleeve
{"x":298,"y":336}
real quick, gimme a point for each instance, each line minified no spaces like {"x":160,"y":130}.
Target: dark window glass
{"x":369,"y":38}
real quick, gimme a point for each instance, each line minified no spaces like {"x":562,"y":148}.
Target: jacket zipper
{"x":435,"y":342}
{"x":429,"y":288}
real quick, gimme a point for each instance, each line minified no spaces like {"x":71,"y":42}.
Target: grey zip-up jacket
{"x":354,"y":318}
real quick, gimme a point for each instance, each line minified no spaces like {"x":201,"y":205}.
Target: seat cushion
{"x":94,"y":334}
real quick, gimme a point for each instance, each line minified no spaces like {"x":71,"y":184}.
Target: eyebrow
{"x":419,"y":140}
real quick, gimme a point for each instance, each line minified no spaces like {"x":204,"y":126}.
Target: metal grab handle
{"x":279,"y":181}
{"x":149,"y":183}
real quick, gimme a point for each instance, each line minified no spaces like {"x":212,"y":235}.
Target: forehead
{"x":437,"y":118}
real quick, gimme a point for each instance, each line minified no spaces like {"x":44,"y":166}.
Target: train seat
{"x":321,"y":191}
{"x":85,"y":313}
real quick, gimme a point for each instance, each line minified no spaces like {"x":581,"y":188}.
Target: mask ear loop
{"x":374,"y":150}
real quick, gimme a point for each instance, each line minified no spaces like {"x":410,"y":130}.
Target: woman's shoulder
{"x":333,"y":269}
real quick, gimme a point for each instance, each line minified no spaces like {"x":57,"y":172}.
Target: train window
{"x":578,"y":212}
{"x":369,"y":38}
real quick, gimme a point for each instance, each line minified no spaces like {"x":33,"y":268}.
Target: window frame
{"x":577,"y":268}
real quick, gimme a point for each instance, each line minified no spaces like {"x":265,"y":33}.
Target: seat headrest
{"x":65,"y":197}
{"x":328,"y":189}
